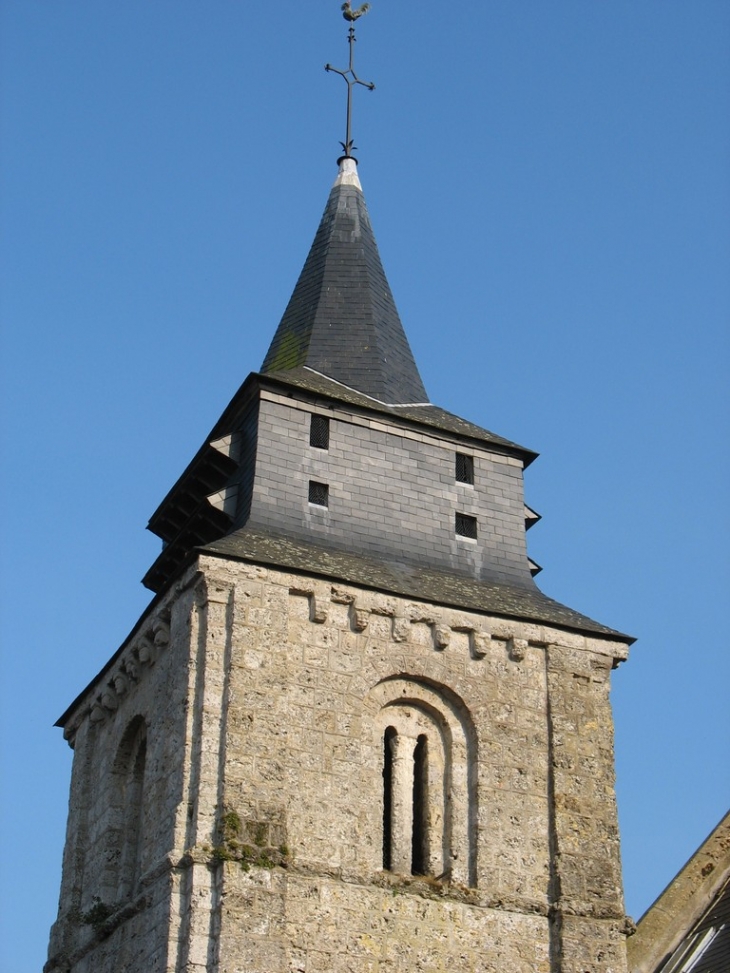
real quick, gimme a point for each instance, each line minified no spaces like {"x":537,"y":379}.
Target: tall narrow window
{"x":406,"y":802}
{"x":419,"y":843}
{"x":429,"y":812}
{"x":388,"y":798}
{"x":319,"y":432}
{"x":464,"y":468}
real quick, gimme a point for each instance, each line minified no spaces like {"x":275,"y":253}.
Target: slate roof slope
{"x":408,"y":580}
{"x":308,"y":380}
{"x":341,"y":319}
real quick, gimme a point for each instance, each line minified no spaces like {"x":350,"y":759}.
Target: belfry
{"x":349,"y":734}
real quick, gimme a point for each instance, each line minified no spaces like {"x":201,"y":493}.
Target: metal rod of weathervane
{"x":349,"y":74}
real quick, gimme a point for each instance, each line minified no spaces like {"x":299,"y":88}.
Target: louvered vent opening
{"x":319,"y":493}
{"x":466,"y":526}
{"x":319,"y":432}
{"x":464,"y":468}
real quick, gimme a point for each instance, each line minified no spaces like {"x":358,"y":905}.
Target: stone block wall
{"x":280,"y":829}
{"x":128,"y":786}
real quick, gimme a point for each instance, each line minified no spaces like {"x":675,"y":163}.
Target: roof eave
{"x":489,"y":441}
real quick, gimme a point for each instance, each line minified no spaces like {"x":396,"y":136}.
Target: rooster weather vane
{"x":349,"y":75}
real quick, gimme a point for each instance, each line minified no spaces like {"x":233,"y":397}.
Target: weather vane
{"x":349,"y":75}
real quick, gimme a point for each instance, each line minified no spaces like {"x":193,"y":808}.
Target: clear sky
{"x":549,"y":185}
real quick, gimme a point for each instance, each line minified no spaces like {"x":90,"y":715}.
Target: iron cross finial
{"x":349,"y":74}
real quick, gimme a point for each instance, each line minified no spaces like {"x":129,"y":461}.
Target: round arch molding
{"x":428,"y":747}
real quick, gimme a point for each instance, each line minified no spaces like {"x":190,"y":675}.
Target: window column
{"x":401,"y":802}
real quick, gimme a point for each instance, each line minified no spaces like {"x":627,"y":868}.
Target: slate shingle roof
{"x":305,"y":379}
{"x":185,"y":520}
{"x":408,"y":580}
{"x":341,"y":319}
{"x":341,"y":339}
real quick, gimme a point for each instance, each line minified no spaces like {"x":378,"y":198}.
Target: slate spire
{"x":341,"y":319}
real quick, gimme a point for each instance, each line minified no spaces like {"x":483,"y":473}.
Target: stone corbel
{"x":601,"y":667}
{"x":516,"y":648}
{"x":317,"y":609}
{"x":479,"y":643}
{"x":418,"y":614}
{"x":108,"y":699}
{"x":146,"y":651}
{"x":160,"y":633}
{"x":131,"y":668}
{"x":317,"y":604}
{"x":401,"y":628}
{"x":341,"y":596}
{"x":121,"y":683}
{"x":359,"y":618}
{"x":441,"y":637}
{"x":383,"y":606}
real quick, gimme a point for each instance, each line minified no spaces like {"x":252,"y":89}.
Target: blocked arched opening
{"x":125,"y":829}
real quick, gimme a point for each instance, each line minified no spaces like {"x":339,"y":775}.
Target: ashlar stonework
{"x":283,"y":774}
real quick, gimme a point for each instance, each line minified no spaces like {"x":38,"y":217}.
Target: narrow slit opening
{"x":388,"y":738}
{"x":419,"y":848}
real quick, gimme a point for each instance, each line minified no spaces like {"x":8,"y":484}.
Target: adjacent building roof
{"x":688,"y":927}
{"x":342,"y":320}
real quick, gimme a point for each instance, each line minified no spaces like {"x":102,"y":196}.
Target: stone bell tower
{"x":349,"y":734}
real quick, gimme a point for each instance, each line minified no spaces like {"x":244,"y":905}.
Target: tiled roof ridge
{"x":348,"y":388}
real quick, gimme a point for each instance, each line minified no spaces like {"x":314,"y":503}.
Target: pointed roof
{"x":341,"y":320}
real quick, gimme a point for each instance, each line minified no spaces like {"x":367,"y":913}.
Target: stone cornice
{"x":130,"y":668}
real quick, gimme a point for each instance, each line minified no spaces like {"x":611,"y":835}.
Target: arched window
{"x":415,"y":803}
{"x":429,"y":808}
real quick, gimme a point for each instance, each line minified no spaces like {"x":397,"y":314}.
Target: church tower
{"x":349,"y":734}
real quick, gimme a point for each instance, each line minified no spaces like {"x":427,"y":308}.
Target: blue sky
{"x":550,"y":189}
